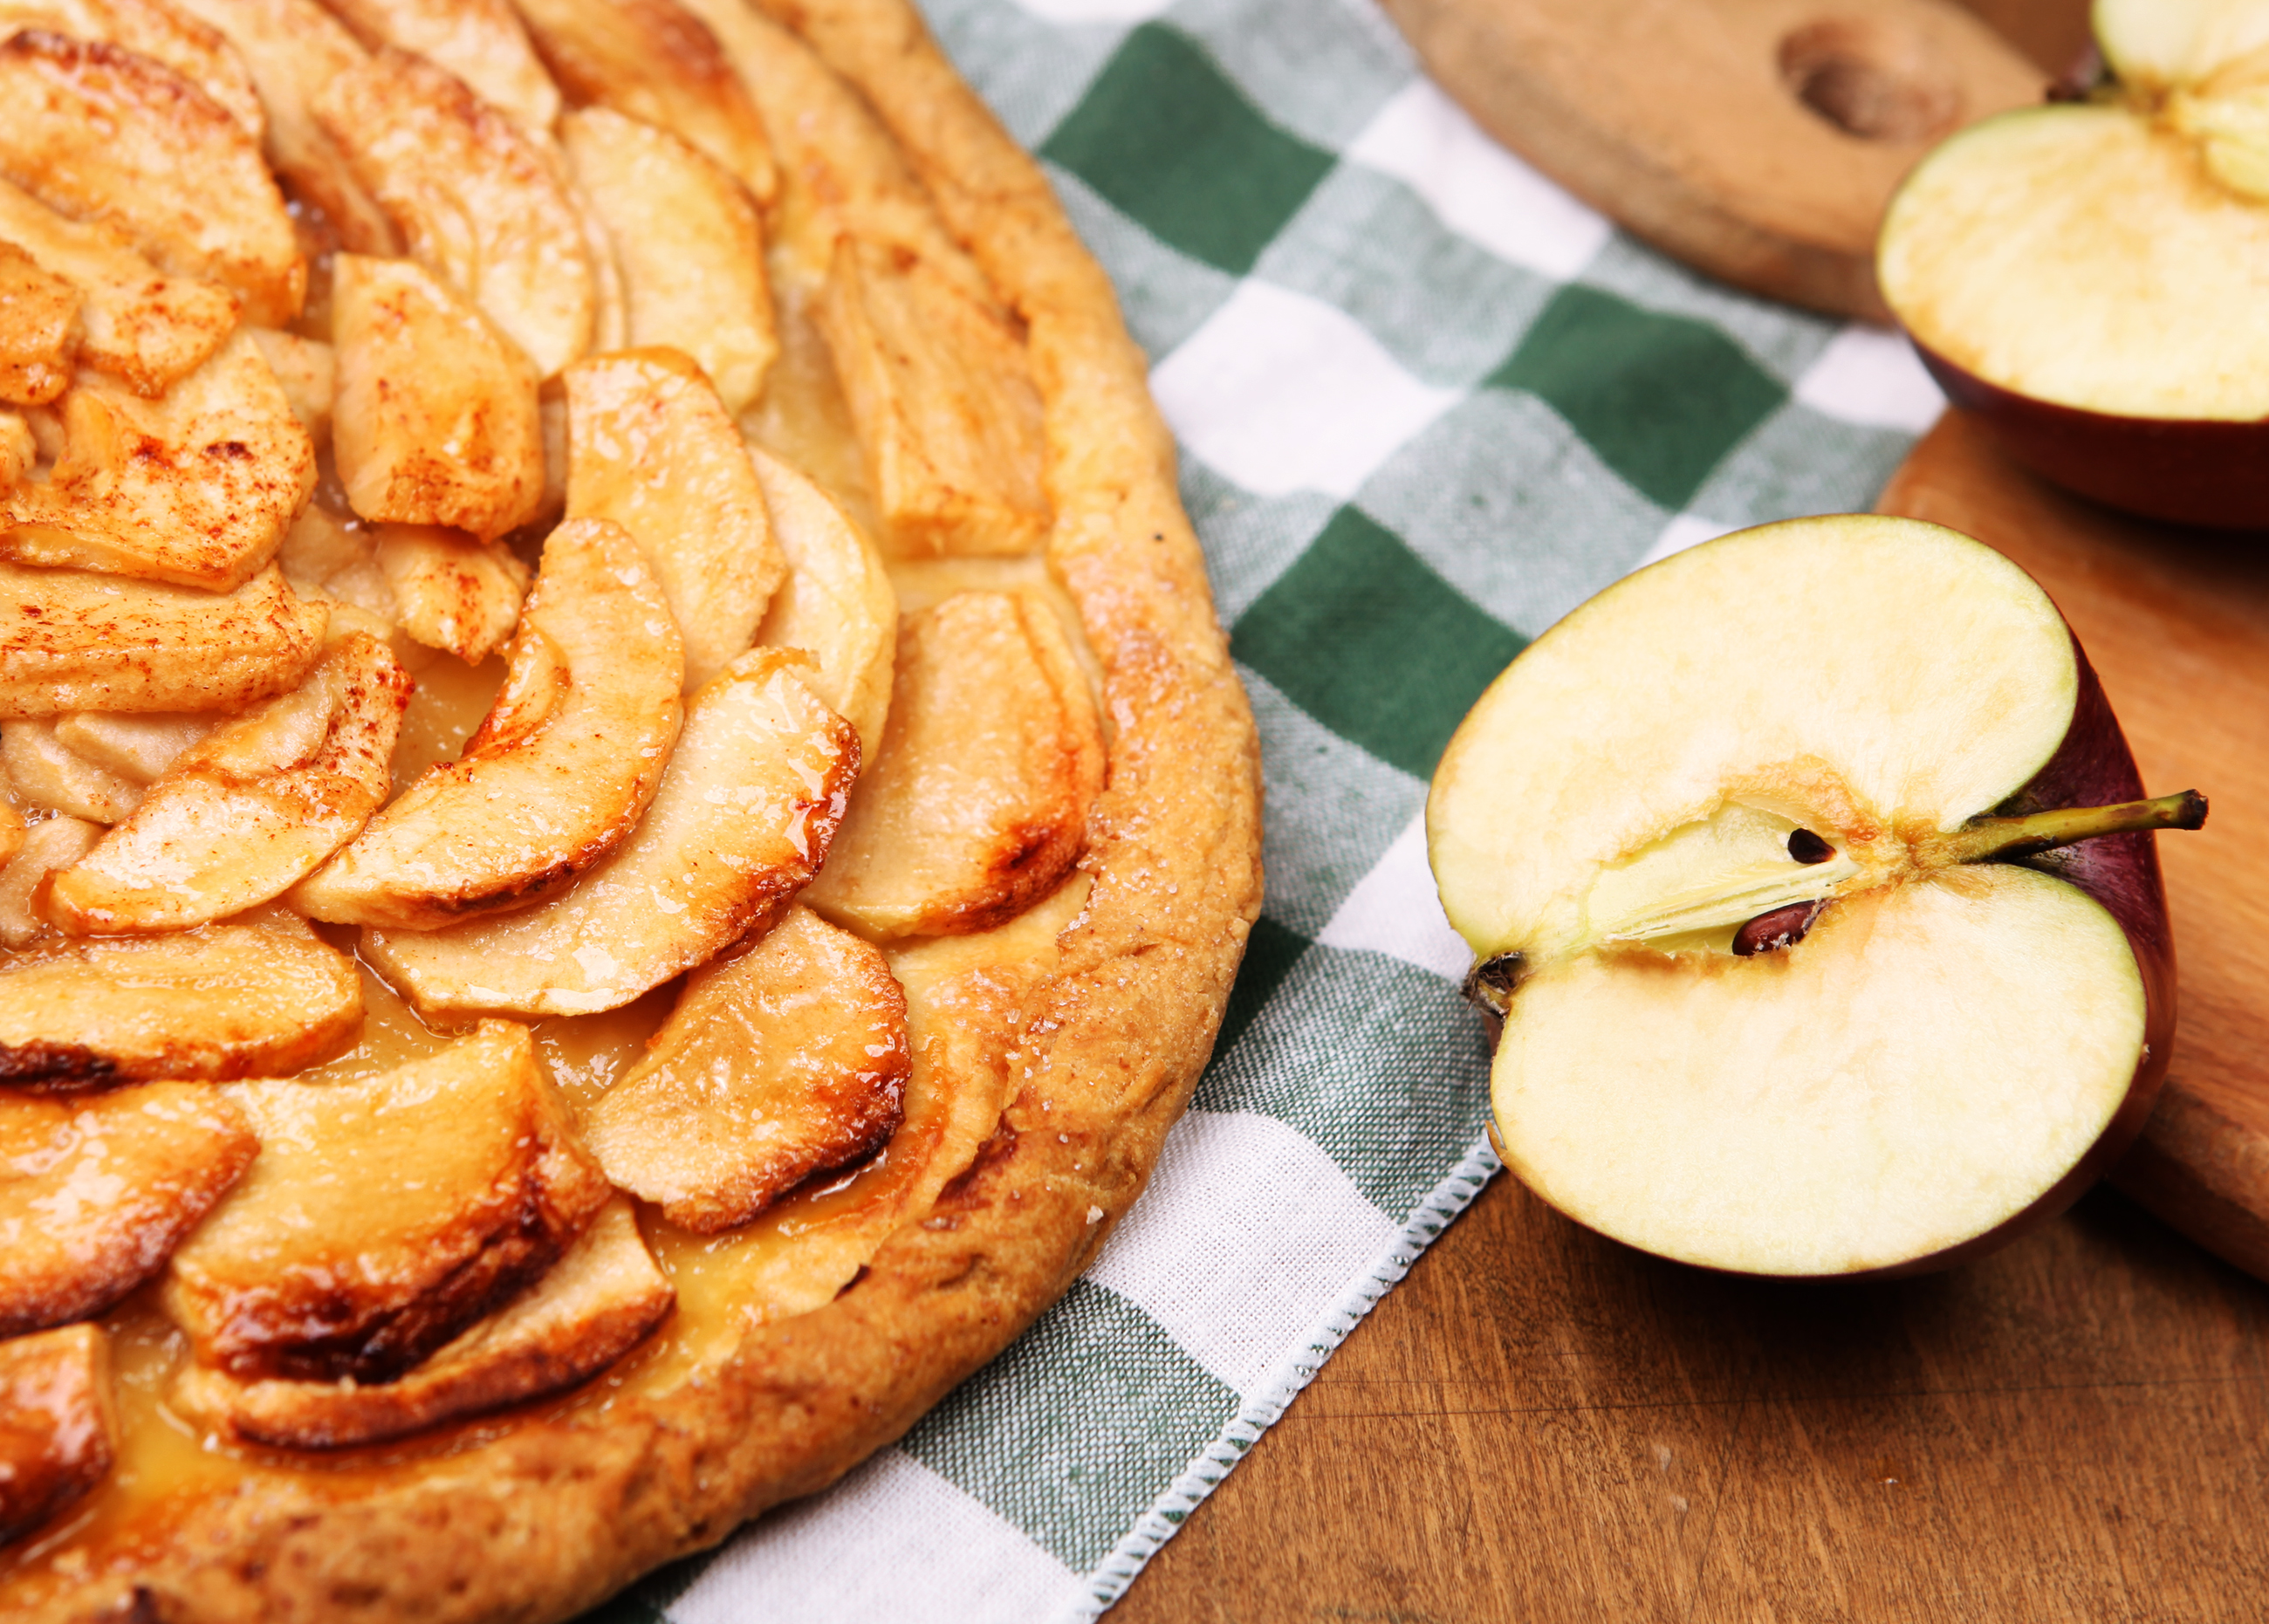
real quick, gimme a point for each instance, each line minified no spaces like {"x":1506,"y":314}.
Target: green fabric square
{"x":1165,"y":137}
{"x":1270,"y":952}
{"x":1370,"y":642}
{"x":1074,"y":1431}
{"x":1662,"y":399}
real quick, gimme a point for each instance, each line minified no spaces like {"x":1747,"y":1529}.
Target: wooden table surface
{"x":1542,"y":1425}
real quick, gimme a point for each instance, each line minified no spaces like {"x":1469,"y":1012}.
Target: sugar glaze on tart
{"x":626,"y":817}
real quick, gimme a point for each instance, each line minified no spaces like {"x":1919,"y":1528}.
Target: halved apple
{"x":435,"y":418}
{"x":450,"y":591}
{"x":836,"y":603}
{"x":102,"y":134}
{"x":136,"y":323}
{"x":58,"y":1433}
{"x":650,"y":447}
{"x":743,"y":817}
{"x":591,"y":1307}
{"x":251,"y":808}
{"x":96,"y":1192}
{"x":1790,"y":865}
{"x":196,"y":488}
{"x":656,"y":61}
{"x":786,"y":1061}
{"x":689,"y":243}
{"x":328,"y":1261}
{"x":561,"y":769}
{"x":991,"y":760}
{"x":2086,"y":277}
{"x":72,"y":640}
{"x":152,"y":28}
{"x":225,"y":1000}
{"x":481,"y":41}
{"x":38,"y":329}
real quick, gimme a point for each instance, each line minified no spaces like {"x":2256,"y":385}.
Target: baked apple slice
{"x":251,"y":808}
{"x":449,"y":590}
{"x":328,"y":1261}
{"x":835,"y":602}
{"x":306,"y":370}
{"x":58,"y":1434}
{"x":435,"y":420}
{"x":136,"y":323}
{"x":991,"y":760}
{"x":293,"y":48}
{"x":196,"y":489}
{"x":47,"y":775}
{"x":752,"y":797}
{"x":137,"y":749}
{"x":784,"y":1062}
{"x":225,"y":1000}
{"x":1809,"y":872}
{"x":102,"y":134}
{"x":688,"y":245}
{"x":38,"y":329}
{"x":596,"y":1303}
{"x":481,"y":41}
{"x":149,"y":28}
{"x":656,"y":61}
{"x":651,"y":448}
{"x":72,"y":640}
{"x":41,"y":849}
{"x":96,"y":1192}
{"x":475,"y":200}
{"x":2082,"y":276}
{"x":561,"y":769}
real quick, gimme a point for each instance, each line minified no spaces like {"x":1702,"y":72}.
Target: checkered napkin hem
{"x":1427,"y":404}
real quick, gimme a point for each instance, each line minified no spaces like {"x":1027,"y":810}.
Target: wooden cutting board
{"x":2177,"y":624}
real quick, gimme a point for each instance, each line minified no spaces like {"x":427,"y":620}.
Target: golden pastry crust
{"x":564,"y":1508}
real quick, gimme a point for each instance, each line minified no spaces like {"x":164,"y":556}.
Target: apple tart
{"x":625,"y":816}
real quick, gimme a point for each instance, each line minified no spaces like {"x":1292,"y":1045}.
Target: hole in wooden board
{"x":1870,"y":79}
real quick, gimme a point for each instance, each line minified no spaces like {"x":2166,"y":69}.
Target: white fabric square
{"x":1071,"y":13}
{"x":1477,"y":188}
{"x":1873,"y":378}
{"x":1280,"y":393}
{"x":892,"y":1540}
{"x":1396,"y":909}
{"x":1246,"y":1236}
{"x":1687,"y":530}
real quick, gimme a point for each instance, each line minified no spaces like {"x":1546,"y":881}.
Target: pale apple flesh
{"x":1942,"y":1033}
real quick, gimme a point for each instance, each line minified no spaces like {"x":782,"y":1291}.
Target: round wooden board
{"x":2177,"y":621}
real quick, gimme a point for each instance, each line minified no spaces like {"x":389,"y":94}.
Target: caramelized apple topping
{"x":328,"y":1262}
{"x":70,"y":640}
{"x":450,"y":591}
{"x":225,"y":1000}
{"x":194,"y":489}
{"x":39,"y":329}
{"x":836,"y":603}
{"x":102,"y":134}
{"x":481,"y":41}
{"x":475,"y":200}
{"x":656,"y":61}
{"x":688,"y":243}
{"x":252,"y":808}
{"x":991,"y":760}
{"x":152,"y":29}
{"x":752,"y":797}
{"x":593,"y":1306}
{"x":651,"y":448}
{"x":558,"y":773}
{"x":942,"y":401}
{"x":136,"y":323}
{"x":779,"y":1064}
{"x":57,"y":1432}
{"x":95,"y":1194}
{"x":435,"y":419}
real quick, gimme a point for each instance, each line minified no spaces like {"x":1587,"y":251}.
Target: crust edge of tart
{"x":557,"y":1514}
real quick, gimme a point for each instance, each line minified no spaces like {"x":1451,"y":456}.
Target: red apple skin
{"x":2186,"y":470}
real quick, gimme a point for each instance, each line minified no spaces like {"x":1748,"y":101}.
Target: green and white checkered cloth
{"x":1427,"y":404}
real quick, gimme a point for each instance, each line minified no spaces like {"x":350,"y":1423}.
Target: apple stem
{"x":2008,"y":838}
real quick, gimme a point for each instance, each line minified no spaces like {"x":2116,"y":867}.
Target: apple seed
{"x":1783,"y":928}
{"x":1807,"y":847}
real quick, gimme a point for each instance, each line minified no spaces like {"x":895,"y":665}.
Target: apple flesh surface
{"x":2092,"y":279}
{"x":1939,"y":1035}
